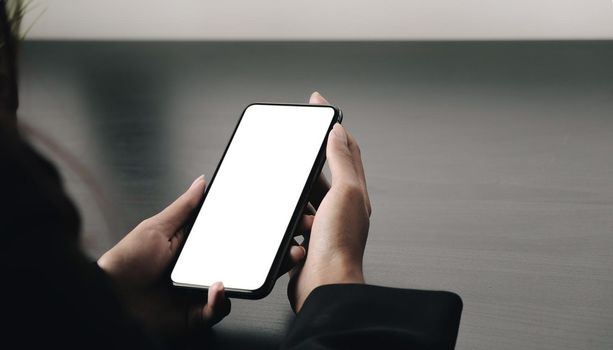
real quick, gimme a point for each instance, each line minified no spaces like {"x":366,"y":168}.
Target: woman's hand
{"x":339,"y":229}
{"x":139,"y":266}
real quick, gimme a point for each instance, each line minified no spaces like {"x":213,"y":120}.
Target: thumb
{"x":217,"y":306}
{"x":340,"y":157}
{"x":317,"y":99}
{"x":176,"y":214}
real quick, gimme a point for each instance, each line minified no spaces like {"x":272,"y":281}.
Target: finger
{"x":306,"y":223}
{"x":321,"y":187}
{"x":340,"y":158}
{"x":295,"y":256}
{"x":217,"y":306}
{"x":175,"y":215}
{"x":317,"y":99}
{"x":319,"y":191}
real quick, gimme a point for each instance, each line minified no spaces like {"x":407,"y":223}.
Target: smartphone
{"x":254,"y":201}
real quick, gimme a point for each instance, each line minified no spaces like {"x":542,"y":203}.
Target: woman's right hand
{"x":339,"y":229}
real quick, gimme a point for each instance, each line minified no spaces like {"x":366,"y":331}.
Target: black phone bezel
{"x":316,"y":169}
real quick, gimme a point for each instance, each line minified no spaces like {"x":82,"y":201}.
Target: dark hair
{"x":10,"y":19}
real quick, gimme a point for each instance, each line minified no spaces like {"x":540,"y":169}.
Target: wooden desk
{"x":490,"y":165}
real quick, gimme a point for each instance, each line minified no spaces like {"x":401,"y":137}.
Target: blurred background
{"x":486,"y":129}
{"x":323,"y":20}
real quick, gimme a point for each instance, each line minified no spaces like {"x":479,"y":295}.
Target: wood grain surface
{"x":489,"y":164}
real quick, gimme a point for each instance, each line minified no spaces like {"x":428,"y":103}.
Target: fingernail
{"x":301,"y":248}
{"x":198,"y":179}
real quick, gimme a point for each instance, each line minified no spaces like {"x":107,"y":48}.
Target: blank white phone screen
{"x":248,"y":208}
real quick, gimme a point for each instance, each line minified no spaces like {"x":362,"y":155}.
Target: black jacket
{"x":53,"y":295}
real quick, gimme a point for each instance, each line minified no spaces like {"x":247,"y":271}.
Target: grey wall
{"x":322,"y":20}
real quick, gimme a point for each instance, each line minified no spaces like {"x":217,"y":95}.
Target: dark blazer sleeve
{"x":356,"y":316}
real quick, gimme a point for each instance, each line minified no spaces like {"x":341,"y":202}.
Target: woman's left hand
{"x":139,"y":266}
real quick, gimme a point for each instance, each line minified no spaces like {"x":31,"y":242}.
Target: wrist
{"x":332,"y":272}
{"x":105,"y":264}
{"x":341,"y":268}
{"x":340,"y":275}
